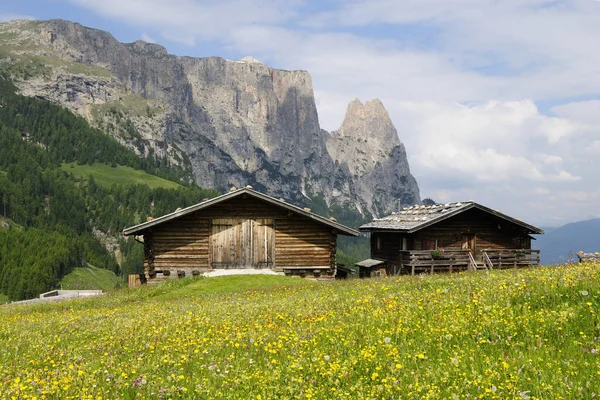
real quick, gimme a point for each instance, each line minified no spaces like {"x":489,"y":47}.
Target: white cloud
{"x":594,"y":149}
{"x":500,"y":154}
{"x":189,"y":21}
{"x":147,"y":38}
{"x":532,"y":48}
{"x":486,"y":143}
{"x":8,"y":16}
{"x":587,"y":112}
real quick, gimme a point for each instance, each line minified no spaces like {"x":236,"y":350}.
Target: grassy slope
{"x":90,"y":278}
{"x":505,"y":334}
{"x":106,"y":175}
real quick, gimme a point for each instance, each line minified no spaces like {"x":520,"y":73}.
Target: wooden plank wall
{"x":302,"y":243}
{"x":178,"y":246}
{"x":184,"y":245}
{"x":490,"y":232}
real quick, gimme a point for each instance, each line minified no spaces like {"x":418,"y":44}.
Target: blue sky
{"x":495,"y":101}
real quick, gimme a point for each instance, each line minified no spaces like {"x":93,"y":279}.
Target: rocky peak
{"x":369,"y":121}
{"x":368,"y":145}
{"x":149,"y":49}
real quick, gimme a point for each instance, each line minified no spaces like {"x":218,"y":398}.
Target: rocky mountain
{"x":232,"y":123}
{"x":367,"y":145}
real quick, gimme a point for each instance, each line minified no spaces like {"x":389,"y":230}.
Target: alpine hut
{"x":241,"y":229}
{"x":450,"y":237}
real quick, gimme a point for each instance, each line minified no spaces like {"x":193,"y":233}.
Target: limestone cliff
{"x":367,"y":144}
{"x":233,"y":123}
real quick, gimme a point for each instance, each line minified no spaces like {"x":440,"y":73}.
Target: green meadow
{"x":512,"y":334}
{"x":107,"y":175}
{"x":90,"y":278}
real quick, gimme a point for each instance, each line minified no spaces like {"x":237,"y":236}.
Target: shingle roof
{"x":414,"y":218}
{"x":138,"y":229}
{"x":369,"y":263}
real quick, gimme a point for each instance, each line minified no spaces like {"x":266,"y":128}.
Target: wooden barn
{"x":241,"y":229}
{"x":451,"y":237}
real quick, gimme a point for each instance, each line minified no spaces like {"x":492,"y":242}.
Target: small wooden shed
{"x":371,"y":268}
{"x":240,"y":229}
{"x":451,"y":237}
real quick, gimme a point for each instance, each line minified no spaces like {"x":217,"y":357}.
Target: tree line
{"x":58,"y":213}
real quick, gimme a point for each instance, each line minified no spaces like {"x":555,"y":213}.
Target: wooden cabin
{"x":241,"y":229}
{"x":451,"y":237}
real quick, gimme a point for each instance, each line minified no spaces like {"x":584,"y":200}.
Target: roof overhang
{"x":143,"y":227}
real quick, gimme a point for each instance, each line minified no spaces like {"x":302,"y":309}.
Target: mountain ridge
{"x":573,"y":237}
{"x":231,"y":123}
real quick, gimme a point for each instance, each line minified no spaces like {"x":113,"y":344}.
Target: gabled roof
{"x":138,"y":229}
{"x":414,"y":218}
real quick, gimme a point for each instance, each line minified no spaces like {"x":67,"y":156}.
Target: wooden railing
{"x":487,"y":262}
{"x":513,"y":258}
{"x":419,"y":261}
{"x":472,"y":262}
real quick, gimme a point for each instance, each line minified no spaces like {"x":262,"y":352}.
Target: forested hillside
{"x":57,"y":211}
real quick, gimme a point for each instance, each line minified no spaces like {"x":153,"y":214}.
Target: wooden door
{"x":221,"y":243}
{"x":468,"y":242}
{"x":242,"y":243}
{"x":263,"y":243}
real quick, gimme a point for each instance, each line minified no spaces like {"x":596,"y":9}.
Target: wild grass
{"x":107,"y":176}
{"x":90,"y":278}
{"x":3,"y":298}
{"x":514,"y":334}
{"x":128,"y":105}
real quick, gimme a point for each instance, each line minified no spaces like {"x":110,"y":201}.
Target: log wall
{"x":278,"y":239}
{"x":490,"y":232}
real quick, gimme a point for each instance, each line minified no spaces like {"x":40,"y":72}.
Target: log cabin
{"x":450,"y":237}
{"x":241,"y":229}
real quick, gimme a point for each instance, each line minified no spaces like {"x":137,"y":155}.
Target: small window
{"x":378,"y":243}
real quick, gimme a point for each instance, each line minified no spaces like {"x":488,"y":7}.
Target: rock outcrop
{"x":367,"y":144}
{"x":234,"y":123}
{"x":588,"y":257}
